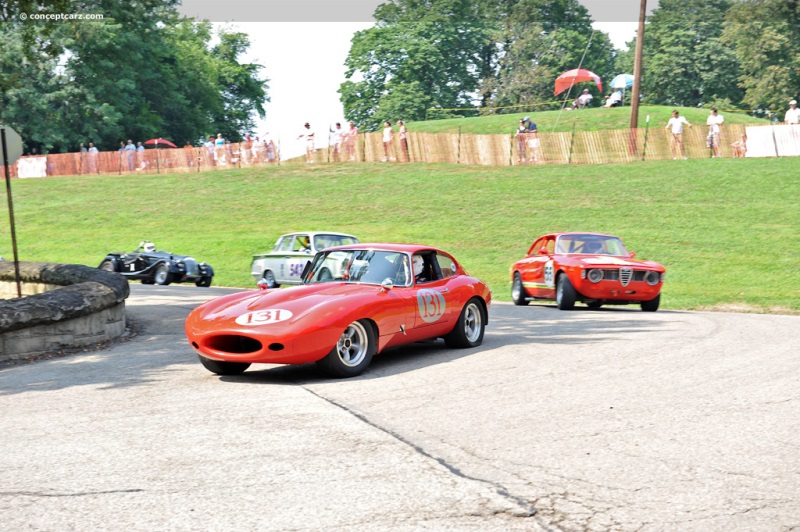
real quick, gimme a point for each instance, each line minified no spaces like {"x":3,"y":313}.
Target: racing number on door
{"x":296,"y":270}
{"x":548,"y":274}
{"x":431,"y":305}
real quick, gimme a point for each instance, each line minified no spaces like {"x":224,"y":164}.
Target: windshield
{"x":588,"y":244}
{"x":329,"y":241}
{"x":360,"y":266}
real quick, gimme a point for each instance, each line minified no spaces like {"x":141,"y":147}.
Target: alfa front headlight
{"x":595,"y":275}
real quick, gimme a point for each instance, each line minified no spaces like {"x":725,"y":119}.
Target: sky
{"x":303,"y":44}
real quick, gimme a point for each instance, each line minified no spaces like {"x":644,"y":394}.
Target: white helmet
{"x":149,"y":247}
{"x":418,"y":264}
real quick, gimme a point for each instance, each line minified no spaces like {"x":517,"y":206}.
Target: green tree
{"x":765,"y":37}
{"x":685,"y":61}
{"x":141,"y":72}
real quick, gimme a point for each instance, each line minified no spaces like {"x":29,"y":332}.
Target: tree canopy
{"x":142,"y":71}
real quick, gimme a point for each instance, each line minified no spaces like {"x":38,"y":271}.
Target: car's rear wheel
{"x":652,"y":305}
{"x":470,"y":326}
{"x":223,"y":368}
{"x":108,"y":266}
{"x":162,"y":276}
{"x":203,"y":282}
{"x":352,"y":353}
{"x":269,"y":277}
{"x":565,"y":293}
{"x":518,"y":291}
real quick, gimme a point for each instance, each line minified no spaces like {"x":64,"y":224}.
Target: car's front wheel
{"x":518,"y":291}
{"x":652,"y":305}
{"x":108,"y":266}
{"x":269,"y":277}
{"x":470,"y":327}
{"x":203,"y":282}
{"x":565,"y":293}
{"x":223,"y":368}
{"x":352,"y":353}
{"x":162,"y":276}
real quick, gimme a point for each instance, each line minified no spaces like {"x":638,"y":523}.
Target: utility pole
{"x":637,"y":76}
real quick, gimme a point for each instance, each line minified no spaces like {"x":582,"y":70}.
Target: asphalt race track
{"x":609,"y":419}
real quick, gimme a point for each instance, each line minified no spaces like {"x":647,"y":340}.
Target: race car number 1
{"x":431,"y":305}
{"x":264,"y":317}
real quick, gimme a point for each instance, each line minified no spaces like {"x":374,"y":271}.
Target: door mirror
{"x":543,"y":251}
{"x":262,"y":284}
{"x":387,"y":284}
{"x":631,"y":254}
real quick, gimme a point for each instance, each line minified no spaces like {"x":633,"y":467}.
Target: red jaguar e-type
{"x":355,"y":301}
{"x":589,"y":267}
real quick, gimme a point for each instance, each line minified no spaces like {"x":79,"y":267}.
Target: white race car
{"x":287,"y":260}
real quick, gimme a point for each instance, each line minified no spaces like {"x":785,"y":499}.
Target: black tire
{"x":148,"y":281}
{"x":324,"y":275}
{"x":108,"y":265}
{"x":162,"y":275}
{"x":471,"y":324}
{"x":203,"y":282}
{"x":353,"y":352}
{"x":652,"y":305}
{"x":269,"y":277}
{"x":223,"y":368}
{"x":518,"y":291}
{"x":565,"y":293}
{"x":594,"y":304}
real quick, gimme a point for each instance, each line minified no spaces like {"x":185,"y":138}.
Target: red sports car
{"x":355,"y":301}
{"x":589,"y":267}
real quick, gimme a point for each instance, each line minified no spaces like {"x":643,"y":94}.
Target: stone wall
{"x":72,"y":306}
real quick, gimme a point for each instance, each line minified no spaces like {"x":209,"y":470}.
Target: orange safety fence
{"x":580,"y":147}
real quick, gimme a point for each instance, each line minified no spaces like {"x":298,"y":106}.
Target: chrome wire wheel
{"x":473,"y":320}
{"x":353,"y":345}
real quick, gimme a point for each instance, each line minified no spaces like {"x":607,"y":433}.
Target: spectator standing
{"x":140,"y":156}
{"x":130,"y":152}
{"x":92,"y":157}
{"x":522,"y":141}
{"x":388,"y":136}
{"x":404,"y":141}
{"x":209,"y":146}
{"x":308,"y":134}
{"x":188,"y":151}
{"x":675,"y":125}
{"x":714,"y":122}
{"x":532,"y":139}
{"x":792,"y":115}
{"x":219,"y":149}
{"x":336,"y":142}
{"x":350,"y":141}
{"x":272,"y":152}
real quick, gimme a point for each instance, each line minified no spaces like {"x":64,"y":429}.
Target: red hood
{"x":600,"y":261}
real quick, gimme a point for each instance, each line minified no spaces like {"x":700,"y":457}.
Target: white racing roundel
{"x":264,"y":317}
{"x":431,"y":304}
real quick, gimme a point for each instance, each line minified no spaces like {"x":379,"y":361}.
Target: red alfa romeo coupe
{"x":354,"y":302}
{"x":589,"y":267}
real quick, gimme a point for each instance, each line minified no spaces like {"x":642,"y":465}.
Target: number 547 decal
{"x":431,"y":305}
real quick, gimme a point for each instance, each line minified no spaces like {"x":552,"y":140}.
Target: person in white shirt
{"x":714,"y":122}
{"x":676,"y":124}
{"x":308,"y":134}
{"x":388,"y":136}
{"x":614,"y":100}
{"x":336,"y":141}
{"x":584,"y":99}
{"x":793,"y":114}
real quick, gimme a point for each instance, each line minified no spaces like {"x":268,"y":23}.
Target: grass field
{"x":727,"y":230}
{"x":594,"y":119}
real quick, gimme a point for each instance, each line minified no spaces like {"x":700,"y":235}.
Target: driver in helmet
{"x":419,"y":266}
{"x":149,"y":247}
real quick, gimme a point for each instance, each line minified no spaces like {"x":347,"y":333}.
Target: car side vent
{"x":625,"y":275}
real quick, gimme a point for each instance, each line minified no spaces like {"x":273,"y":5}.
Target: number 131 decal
{"x":431,"y":305}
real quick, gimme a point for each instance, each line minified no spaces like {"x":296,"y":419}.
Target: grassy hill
{"x":726,"y":229}
{"x":593,"y":119}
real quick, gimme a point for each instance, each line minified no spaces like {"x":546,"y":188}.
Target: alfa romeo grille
{"x":625,"y":275}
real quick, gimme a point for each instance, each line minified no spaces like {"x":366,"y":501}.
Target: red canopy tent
{"x":576,"y":75}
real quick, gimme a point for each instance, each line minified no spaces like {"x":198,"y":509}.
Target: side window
{"x":447,"y":266}
{"x":284,"y":244}
{"x":534,"y":250}
{"x":551,"y":246}
{"x":301,"y":242}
